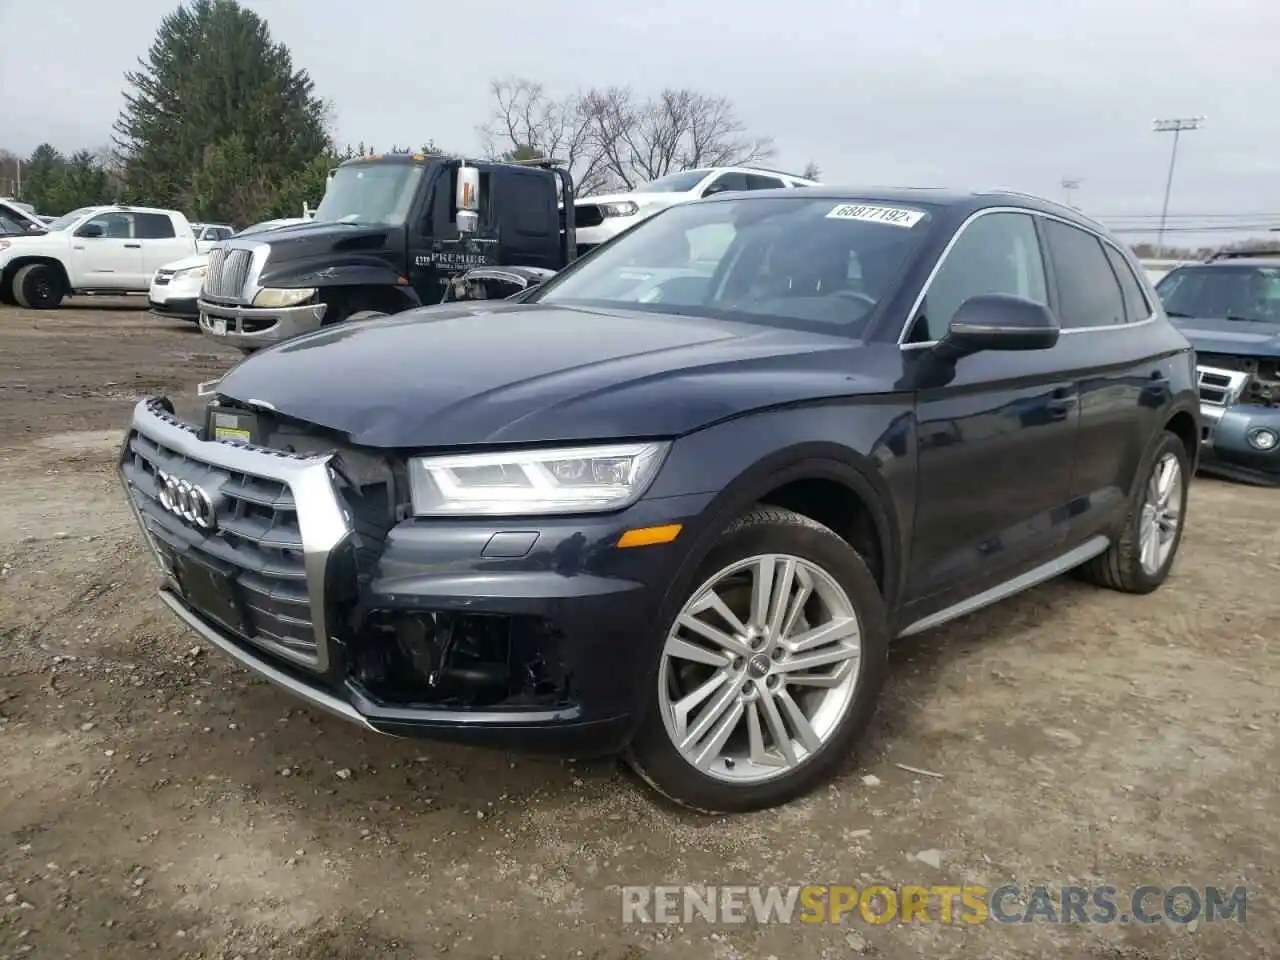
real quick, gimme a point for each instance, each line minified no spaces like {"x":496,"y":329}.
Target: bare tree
{"x":611,"y":137}
{"x":528,"y":123}
{"x":811,"y":171}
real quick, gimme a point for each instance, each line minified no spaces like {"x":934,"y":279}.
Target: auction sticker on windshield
{"x":896,"y":216}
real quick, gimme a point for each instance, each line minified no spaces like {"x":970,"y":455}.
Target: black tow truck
{"x":392,"y":233}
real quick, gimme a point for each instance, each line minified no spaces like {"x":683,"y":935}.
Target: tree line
{"x":219,"y":122}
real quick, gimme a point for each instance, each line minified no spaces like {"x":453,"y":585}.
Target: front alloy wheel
{"x":769,"y":672}
{"x":759,"y":668}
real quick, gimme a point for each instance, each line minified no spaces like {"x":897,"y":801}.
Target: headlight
{"x":624,"y":208}
{"x":569,"y":480}
{"x":276,"y":297}
{"x":191,"y":273}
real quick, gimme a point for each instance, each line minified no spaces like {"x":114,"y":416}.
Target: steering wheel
{"x":858,"y":296}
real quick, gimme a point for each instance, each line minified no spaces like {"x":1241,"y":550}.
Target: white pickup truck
{"x":106,"y":249}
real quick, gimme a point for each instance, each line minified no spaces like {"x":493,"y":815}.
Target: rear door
{"x":997,"y":440}
{"x":160,"y":241}
{"x":1109,"y":335}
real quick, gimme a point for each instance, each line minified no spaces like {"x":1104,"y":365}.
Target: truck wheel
{"x":38,"y":286}
{"x":1140,"y":558}
{"x":769,"y":674}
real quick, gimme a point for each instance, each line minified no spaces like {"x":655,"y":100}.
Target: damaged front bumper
{"x":253,"y":328}
{"x":535,"y":635}
{"x":1241,"y":440}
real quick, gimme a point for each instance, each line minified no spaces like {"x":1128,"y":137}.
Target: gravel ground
{"x":155,"y":800}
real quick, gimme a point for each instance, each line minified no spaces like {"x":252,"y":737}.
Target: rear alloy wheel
{"x":770,"y":671}
{"x":1141,"y":557}
{"x":1160,"y":520}
{"x":38,"y":286}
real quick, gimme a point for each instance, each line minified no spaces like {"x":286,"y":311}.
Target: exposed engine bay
{"x":1263,"y":384}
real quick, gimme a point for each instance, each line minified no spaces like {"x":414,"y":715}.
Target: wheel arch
{"x":1185,"y":425}
{"x":11,"y":269}
{"x":826,"y":482}
{"x":387,"y":298}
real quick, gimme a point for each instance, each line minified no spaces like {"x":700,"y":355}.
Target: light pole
{"x":1069,"y":185}
{"x":1174,"y":126}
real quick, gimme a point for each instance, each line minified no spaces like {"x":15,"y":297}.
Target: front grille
{"x":587,"y":215}
{"x":1219,"y":387}
{"x":275,"y":520}
{"x":256,"y":543}
{"x":227,"y":275}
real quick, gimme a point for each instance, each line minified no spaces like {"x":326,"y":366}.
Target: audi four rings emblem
{"x":186,"y":500}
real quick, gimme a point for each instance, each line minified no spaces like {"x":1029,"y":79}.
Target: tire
{"x":1122,"y":567}
{"x":844,"y":586}
{"x":38,"y":286}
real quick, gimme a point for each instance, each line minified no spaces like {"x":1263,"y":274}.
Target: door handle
{"x":133,"y":246}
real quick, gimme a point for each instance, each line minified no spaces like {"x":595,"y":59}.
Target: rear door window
{"x":1089,"y":294}
{"x":1135,"y":301}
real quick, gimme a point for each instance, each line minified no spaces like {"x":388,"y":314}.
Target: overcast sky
{"x":983,"y":93}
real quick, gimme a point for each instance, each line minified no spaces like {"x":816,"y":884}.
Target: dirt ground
{"x":155,"y":800}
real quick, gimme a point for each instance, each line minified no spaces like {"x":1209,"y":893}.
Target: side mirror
{"x":467,"y":200}
{"x":90,"y":230}
{"x":998,"y":321}
{"x":35,"y":228}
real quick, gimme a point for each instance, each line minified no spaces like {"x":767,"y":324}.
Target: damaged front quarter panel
{"x":1240,"y":404}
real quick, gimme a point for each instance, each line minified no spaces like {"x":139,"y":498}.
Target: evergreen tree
{"x":216,"y":96}
{"x":56,"y":184}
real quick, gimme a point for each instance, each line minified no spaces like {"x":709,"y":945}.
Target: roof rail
{"x":1047,"y":200}
{"x":1245,"y":253}
{"x":781,"y":173}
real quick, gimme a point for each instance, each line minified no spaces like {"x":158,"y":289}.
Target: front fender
{"x":353,"y":272}
{"x":868,"y":448}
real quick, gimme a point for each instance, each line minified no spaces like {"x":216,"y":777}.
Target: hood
{"x":639,"y":199}
{"x":15,"y":243}
{"x":1243,"y":338}
{"x":503,"y":373}
{"x":311,"y":238}
{"x":186,"y":263}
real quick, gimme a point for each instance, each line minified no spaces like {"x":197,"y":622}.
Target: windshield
{"x":1222,"y":292}
{"x":810,"y":264}
{"x":378,"y":193}
{"x":67,"y":219}
{"x":674,"y":182}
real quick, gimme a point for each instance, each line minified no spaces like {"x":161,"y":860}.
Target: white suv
{"x":597,"y":219}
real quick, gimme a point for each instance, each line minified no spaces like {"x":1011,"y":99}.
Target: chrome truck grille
{"x":227,"y":276}
{"x":243,"y":535}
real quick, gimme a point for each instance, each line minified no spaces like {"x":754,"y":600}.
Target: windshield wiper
{"x":1179,"y":316}
{"x":1240,"y":319}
